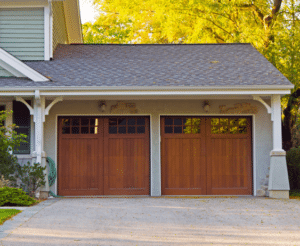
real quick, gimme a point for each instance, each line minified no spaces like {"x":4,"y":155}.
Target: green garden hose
{"x":51,"y":175}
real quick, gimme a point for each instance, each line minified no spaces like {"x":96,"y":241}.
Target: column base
{"x":279,"y":194}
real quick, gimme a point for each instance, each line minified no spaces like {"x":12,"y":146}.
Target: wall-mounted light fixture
{"x":102,"y":105}
{"x":206,"y":106}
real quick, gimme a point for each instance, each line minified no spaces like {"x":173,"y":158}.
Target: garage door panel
{"x":126,"y":156}
{"x":79,"y":174}
{"x":183,"y":160}
{"x":127,"y":165}
{"x":229,"y":156}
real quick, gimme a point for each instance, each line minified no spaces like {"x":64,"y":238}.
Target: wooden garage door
{"x":103,"y":156}
{"x":206,"y":155}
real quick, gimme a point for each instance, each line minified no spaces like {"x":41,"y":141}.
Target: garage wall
{"x":155,"y":108}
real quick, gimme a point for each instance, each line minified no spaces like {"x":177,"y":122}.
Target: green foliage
{"x":14,"y":197}
{"x":32,"y":177}
{"x":293,"y":163}
{"x":9,"y":140}
{"x":6,"y":214}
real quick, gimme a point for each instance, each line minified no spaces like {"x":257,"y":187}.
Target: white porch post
{"x":39,"y":154}
{"x":278,"y":182}
{"x":155,"y":156}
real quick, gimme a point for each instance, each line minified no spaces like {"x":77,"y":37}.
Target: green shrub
{"x":9,"y":140}
{"x":32,"y":177}
{"x":14,"y":197}
{"x":293,"y":163}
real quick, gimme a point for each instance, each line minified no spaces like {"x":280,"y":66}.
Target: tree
{"x":272,"y":27}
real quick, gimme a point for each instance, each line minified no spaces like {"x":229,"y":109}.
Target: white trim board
{"x":19,"y":68}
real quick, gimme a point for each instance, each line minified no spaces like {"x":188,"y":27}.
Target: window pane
{"x":66,"y":130}
{"x":85,"y":122}
{"x":178,"y":122}
{"x":122,"y":130}
{"x":93,"y":122}
{"x":214,"y":121}
{"x":113,"y":121}
{"x":131,"y":129}
{"x":24,"y":148}
{"x":75,"y":122}
{"x":113,"y":130}
{"x":75,"y":130}
{"x":131,"y":122}
{"x":66,"y":122}
{"x":92,"y":130}
{"x":121,"y":122}
{"x":169,"y":122}
{"x":140,"y":129}
{"x":140,"y":122}
{"x":168,"y":129}
{"x":178,"y":129}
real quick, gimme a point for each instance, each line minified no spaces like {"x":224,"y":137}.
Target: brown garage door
{"x":206,"y":155}
{"x":103,"y":156}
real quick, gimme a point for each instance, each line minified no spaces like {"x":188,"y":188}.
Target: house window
{"x":21,"y":117}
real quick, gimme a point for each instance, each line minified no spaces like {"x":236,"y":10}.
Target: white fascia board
{"x":45,"y":92}
{"x":21,"y":67}
{"x":261,"y":88}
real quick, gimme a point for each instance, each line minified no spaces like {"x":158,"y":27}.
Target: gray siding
{"x":22,"y":33}
{"x":4,"y":73}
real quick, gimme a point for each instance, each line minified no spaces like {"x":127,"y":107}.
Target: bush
{"x":293,"y":164}
{"x":32,"y":177}
{"x":14,"y":197}
{"x":9,"y":140}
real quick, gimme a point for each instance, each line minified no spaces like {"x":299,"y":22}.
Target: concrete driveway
{"x":156,"y":221}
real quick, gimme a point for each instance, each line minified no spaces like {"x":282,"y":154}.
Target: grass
{"x":295,"y":194}
{"x":6,"y":214}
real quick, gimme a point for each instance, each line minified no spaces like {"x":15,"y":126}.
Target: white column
{"x":39,"y":118}
{"x":277,"y":131}
{"x":155,"y":155}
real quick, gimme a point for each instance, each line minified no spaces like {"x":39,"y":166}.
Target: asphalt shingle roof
{"x":154,"y":65}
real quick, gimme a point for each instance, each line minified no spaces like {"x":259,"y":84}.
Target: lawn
{"x":6,"y":214}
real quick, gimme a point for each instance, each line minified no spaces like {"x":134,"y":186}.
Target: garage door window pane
{"x":140,"y":129}
{"x":113,"y":130}
{"x":178,"y":122}
{"x":75,"y":122}
{"x":75,"y":130}
{"x":66,"y":130}
{"x":229,"y":125}
{"x":169,"y":122}
{"x":113,"y":122}
{"x":131,"y":129}
{"x":122,"y":122}
{"x":168,"y":129}
{"x":85,"y":122}
{"x":141,"y":122}
{"x":131,"y":122}
{"x":178,"y":129}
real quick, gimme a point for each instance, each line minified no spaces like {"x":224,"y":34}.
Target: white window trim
{"x":20,"y":67}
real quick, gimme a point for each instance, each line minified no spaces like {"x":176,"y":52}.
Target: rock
{"x":260,"y":193}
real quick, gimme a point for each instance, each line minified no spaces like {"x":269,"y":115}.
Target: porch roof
{"x":171,"y":65}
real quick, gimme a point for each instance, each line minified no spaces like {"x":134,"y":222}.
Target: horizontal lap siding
{"x":22,"y":33}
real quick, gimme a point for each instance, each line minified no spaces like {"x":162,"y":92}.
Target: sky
{"x":87,"y":11}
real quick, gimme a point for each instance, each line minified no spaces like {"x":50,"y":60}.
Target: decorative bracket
{"x":269,"y":109}
{"x":20,"y":99}
{"x":56,"y":100}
